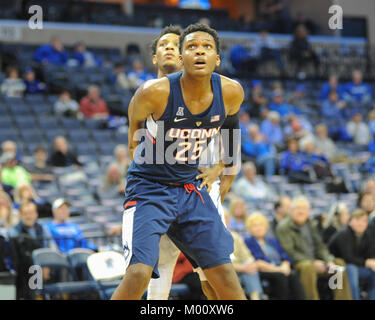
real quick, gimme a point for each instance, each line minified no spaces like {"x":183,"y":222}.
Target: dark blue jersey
{"x":172,"y":147}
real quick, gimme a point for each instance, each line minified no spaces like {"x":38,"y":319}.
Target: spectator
{"x":295,"y":165}
{"x":25,"y":193}
{"x":282,"y":210}
{"x":265,"y":48}
{"x":298,"y":127}
{"x":66,"y":106}
{"x":238,"y":215}
{"x":331,"y":86}
{"x":324,"y":144}
{"x":337,"y":218}
{"x":12,"y":86}
{"x":40,"y":171}
{"x":242,"y":60}
{"x":358,"y":130}
{"x":301,"y":19}
{"x":9,"y":146}
{"x":83,"y":57}
{"x":358,"y":93}
{"x":369,"y":186}
{"x":272,"y":130}
{"x":244,"y":124}
{"x":298,"y":98}
{"x":272,"y":261}
{"x":33,"y":86}
{"x":113,"y":183}
{"x":301,"y":52}
{"x":62,"y":157}
{"x":5,"y":187}
{"x":13,"y":174}
{"x":251,"y":187}
{"x":67,"y":235}
{"x":335,"y":115}
{"x":122,"y":159}
{"x":257,"y":99}
{"x":8,"y":216}
{"x":283,"y":108}
{"x":276,"y":15}
{"x":366,"y":202}
{"x":355,"y":246}
{"x":371,"y":121}
{"x":53,"y":53}
{"x":137,"y":75}
{"x":118,"y":76}
{"x":93,"y":106}
{"x":25,"y":237}
{"x":302,"y":242}
{"x":245,"y":266}
{"x":264,"y":152}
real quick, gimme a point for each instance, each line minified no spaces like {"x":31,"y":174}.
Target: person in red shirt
{"x":93,"y":106}
{"x":183,"y":273}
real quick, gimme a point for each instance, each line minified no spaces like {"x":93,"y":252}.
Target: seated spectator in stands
{"x":265,"y":48}
{"x":118,"y":76}
{"x":245,"y":266}
{"x":358,"y":93}
{"x":272,"y":130}
{"x":13,"y":174}
{"x":358,"y":130}
{"x":251,"y":187}
{"x":263,"y":151}
{"x":316,"y":160}
{"x":282,"y":210}
{"x":67,"y":235}
{"x":244,"y":122}
{"x":238,"y":215}
{"x":53,"y":53}
{"x":83,"y":57}
{"x":183,"y":273}
{"x":113,"y":182}
{"x":371,"y":121}
{"x":295,"y":165}
{"x":257,"y":100}
{"x":242,"y":60}
{"x":369,"y":186}
{"x":32,"y":84}
{"x":5,"y":187}
{"x":66,"y":106}
{"x":324,"y":144}
{"x":298,"y":127}
{"x":273,"y":263}
{"x":8,"y":215}
{"x":337,"y":217}
{"x":25,"y":193}
{"x":12,"y":86}
{"x":301,"y":52}
{"x":298,"y":98}
{"x":137,"y":75}
{"x":331,"y":86}
{"x":92,"y":105}
{"x":284,"y":109}
{"x":25,"y":237}
{"x":366,"y":202}
{"x":302,"y":242}
{"x":61,"y":156}
{"x":39,"y":170}
{"x":355,"y":246}
{"x":122,"y":159}
{"x":9,"y":146}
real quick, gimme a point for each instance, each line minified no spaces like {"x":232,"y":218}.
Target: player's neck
{"x":197,"y":87}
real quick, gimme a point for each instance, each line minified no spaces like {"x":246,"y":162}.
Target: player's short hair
{"x":200,"y":27}
{"x":169,"y":29}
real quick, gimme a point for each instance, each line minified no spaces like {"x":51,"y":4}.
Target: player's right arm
{"x":150,"y":99}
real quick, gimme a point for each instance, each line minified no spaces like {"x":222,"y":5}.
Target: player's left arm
{"x":233,"y":96}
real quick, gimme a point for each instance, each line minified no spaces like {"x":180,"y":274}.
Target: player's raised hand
{"x":209,"y":175}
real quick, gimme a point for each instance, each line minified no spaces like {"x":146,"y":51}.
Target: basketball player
{"x":187,"y":108}
{"x":165,"y":55}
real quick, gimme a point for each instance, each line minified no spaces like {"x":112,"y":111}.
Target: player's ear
{"x":218,"y":60}
{"x":154,"y":59}
{"x":180,"y":60}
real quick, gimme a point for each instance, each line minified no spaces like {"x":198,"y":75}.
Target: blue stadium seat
{"x":71,"y":124}
{"x":86,"y":149}
{"x":78,"y":136}
{"x":48,"y":123}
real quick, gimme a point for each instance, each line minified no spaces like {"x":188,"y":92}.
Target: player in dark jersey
{"x":187,"y":109}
